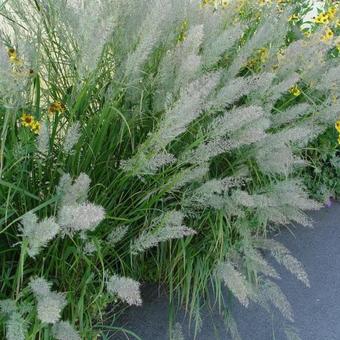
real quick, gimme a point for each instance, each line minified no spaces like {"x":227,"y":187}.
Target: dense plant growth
{"x":154,"y":141}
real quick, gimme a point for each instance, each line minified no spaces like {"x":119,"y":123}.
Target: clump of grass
{"x":151,"y":140}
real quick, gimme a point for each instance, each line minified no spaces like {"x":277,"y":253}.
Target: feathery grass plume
{"x":274,"y":215}
{"x":283,"y":256}
{"x":243,"y":126}
{"x":274,"y":294}
{"x":256,"y":261}
{"x":188,"y":108}
{"x":125,"y":288}
{"x":292,"y":192}
{"x":5,"y":67}
{"x":277,"y":25}
{"x":292,"y":113}
{"x":10,"y":83}
{"x":71,"y":137}
{"x":7,"y":306}
{"x":279,"y":194}
{"x":269,"y":163}
{"x":189,"y":62}
{"x":40,"y":287}
{"x":291,"y":333}
{"x":330,"y":79}
{"x":253,"y":133}
{"x":213,"y":50}
{"x":187,"y":176}
{"x":43,"y":139}
{"x":81,"y":217}
{"x":166,"y":227}
{"x":38,"y":234}
{"x":187,"y":71}
{"x":63,"y":330}
{"x":117,"y":234}
{"x":76,"y":213}
{"x":254,"y":293}
{"x":177,"y":332}
{"x":16,"y":328}
{"x":208,"y":150}
{"x":296,"y":136}
{"x":299,"y":135}
{"x":165,"y":79}
{"x":329,"y":112}
{"x":213,"y":22}
{"x":239,"y":87}
{"x":89,"y":248}
{"x":149,"y":36}
{"x":160,"y":160}
{"x":302,"y":55}
{"x":234,"y":280}
{"x":235,"y":119}
{"x":213,"y":193}
{"x":92,"y":26}
{"x":181,"y":64}
{"x":231,"y":327}
{"x":282,"y":87}
{"x":147,"y":165}
{"x":175,"y":121}
{"x":283,"y":201}
{"x":290,"y":135}
{"x":50,"y":304}
{"x":73,"y":193}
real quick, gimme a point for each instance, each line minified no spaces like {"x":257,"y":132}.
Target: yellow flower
{"x":207,"y":2}
{"x":35,"y":127}
{"x":215,"y":3}
{"x":328,"y":35}
{"x":260,"y":57}
{"x":12,"y":53}
{"x":293,"y":17}
{"x":295,"y":91}
{"x":29,"y":121}
{"x":183,"y":31}
{"x":264,"y":2}
{"x":263,"y":54}
{"x":224,"y":3}
{"x":322,"y":18}
{"x":26,"y":120}
{"x":337,"y":125}
{"x":331,"y":12}
{"x":13,"y":57}
{"x":307,"y":34}
{"x":280,"y":55}
{"x":55,"y":107}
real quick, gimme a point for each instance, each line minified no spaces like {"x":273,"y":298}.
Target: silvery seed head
{"x":63,"y":330}
{"x":82,"y":217}
{"x":126,"y":289}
